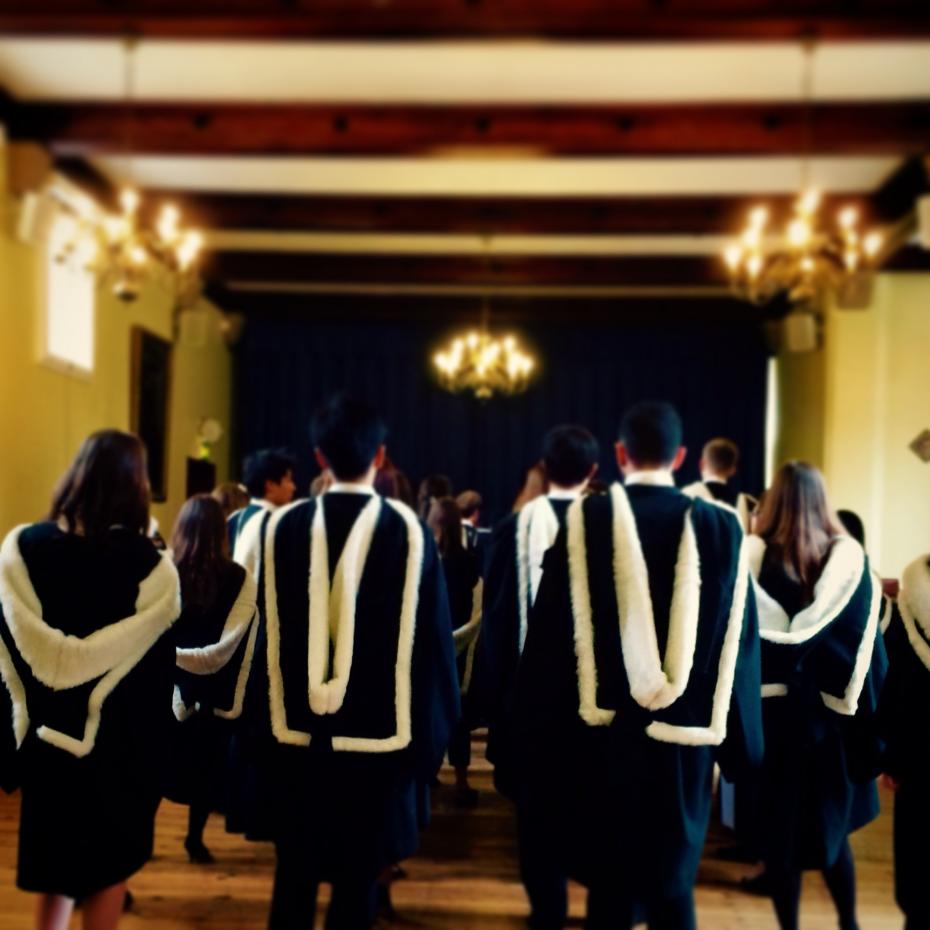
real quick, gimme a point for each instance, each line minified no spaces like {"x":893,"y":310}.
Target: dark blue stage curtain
{"x":713,"y":371}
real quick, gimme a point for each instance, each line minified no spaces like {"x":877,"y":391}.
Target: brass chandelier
{"x":484,"y":365}
{"x":119,"y":249}
{"x":808,"y":258}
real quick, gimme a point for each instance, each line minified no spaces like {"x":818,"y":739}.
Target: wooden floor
{"x":465,"y":877}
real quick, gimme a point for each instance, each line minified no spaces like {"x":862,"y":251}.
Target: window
{"x":69,"y":303}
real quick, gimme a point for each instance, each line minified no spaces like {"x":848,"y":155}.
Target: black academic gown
{"x":905,"y":723}
{"x":344,"y":785}
{"x":822,"y":755}
{"x":625,"y":793}
{"x":499,"y":647}
{"x":214,"y":646}
{"x":89,"y":796}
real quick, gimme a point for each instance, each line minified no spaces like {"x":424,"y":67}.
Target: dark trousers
{"x":460,"y":746}
{"x":611,"y":906}
{"x":296,"y":885}
{"x":840,"y":878}
{"x":540,"y":871}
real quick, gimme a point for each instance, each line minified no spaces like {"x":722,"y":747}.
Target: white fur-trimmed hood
{"x":914,"y":607}
{"x":61,"y":661}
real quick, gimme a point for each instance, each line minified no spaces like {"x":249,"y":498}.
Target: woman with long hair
{"x":214,"y":650}
{"x":463,"y":583}
{"x":86,"y":601}
{"x":823,"y":664}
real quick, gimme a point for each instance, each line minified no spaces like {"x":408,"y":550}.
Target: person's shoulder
{"x":718,"y":519}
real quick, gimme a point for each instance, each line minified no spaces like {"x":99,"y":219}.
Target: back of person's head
{"x":266,"y":466}
{"x":106,"y":486}
{"x":386,"y":482}
{"x":570,"y":453}
{"x":797,"y":520}
{"x":721,"y":457}
{"x":651,"y":432}
{"x":469,"y":503}
{"x":853,"y":525}
{"x":348,"y":433}
{"x":200,"y":547}
{"x":432,"y":487}
{"x":231,"y":496}
{"x":322,"y":483}
{"x":445,"y":520}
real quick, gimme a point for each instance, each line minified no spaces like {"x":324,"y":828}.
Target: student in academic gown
{"x":269,"y":479}
{"x":514,"y":569}
{"x":86,"y":601}
{"x":463,"y":582}
{"x":353,"y":581}
{"x":640,"y":671}
{"x":215,"y":642}
{"x":823,"y":665}
{"x":905,"y":720}
{"x":718,"y":466}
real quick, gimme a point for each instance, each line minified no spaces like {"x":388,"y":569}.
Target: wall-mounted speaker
{"x":37,"y":214}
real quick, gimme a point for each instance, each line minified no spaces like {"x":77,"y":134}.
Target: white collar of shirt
{"x":350,"y":487}
{"x":261,"y":502}
{"x":708,"y":478}
{"x":563,"y":494}
{"x":652,"y":477}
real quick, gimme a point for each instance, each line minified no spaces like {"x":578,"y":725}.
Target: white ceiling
{"x":498,"y":177}
{"x":447,"y":72}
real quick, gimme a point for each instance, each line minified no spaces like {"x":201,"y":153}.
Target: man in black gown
{"x":719,"y":465}
{"x":269,"y":478}
{"x":518,"y":544}
{"x":640,"y":670}
{"x":359,"y":691}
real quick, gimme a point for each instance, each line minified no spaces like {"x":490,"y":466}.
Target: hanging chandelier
{"x":119,"y":250}
{"x":484,"y":365}
{"x":809,"y":258}
{"x":806,"y":260}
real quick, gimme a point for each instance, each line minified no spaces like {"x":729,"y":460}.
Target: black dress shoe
{"x":198,"y":853}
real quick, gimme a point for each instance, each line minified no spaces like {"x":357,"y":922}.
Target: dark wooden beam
{"x":450,"y":270}
{"x":895,"y":198}
{"x":764,"y":20}
{"x":628,"y":215}
{"x":617,"y":130}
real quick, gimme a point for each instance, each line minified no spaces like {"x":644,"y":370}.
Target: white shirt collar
{"x":652,"y":477}
{"x":350,"y":487}
{"x":709,"y":478}
{"x":563,"y":494}
{"x":261,"y":502}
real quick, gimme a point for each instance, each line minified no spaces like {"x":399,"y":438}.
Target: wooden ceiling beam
{"x":684,"y":20}
{"x":642,"y":130}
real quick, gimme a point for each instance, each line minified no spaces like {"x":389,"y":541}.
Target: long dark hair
{"x":445,"y":520}
{"x":200,"y":548}
{"x":798,"y":522}
{"x":106,"y":486}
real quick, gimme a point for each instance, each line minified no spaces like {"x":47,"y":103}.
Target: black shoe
{"x":198,"y":852}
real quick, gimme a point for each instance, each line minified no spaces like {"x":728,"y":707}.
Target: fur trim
{"x":466,"y":637}
{"x":745,"y":504}
{"x":266,"y":563}
{"x":17,"y":692}
{"x":848,"y":704}
{"x":914,"y":607}
{"x":716,"y":732}
{"x":537,"y":528}
{"x":209,"y":659}
{"x":60,"y":661}
{"x":774,"y":690}
{"x":654,"y":684}
{"x":403,"y":667}
{"x":332,"y":606}
{"x":181,"y":711}
{"x":838,"y":582}
{"x":342,"y":595}
{"x":584,"y":627}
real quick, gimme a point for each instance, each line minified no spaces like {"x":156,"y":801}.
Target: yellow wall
{"x":853,"y":408}
{"x":45,"y":413}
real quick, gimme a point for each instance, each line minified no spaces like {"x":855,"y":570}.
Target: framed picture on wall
{"x":150,"y":400}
